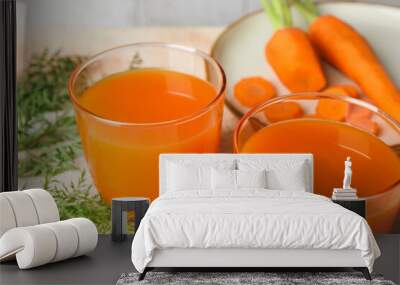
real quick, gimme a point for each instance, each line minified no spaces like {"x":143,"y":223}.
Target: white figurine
{"x":347,"y":174}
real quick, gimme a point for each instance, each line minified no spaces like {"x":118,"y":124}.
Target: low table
{"x":356,"y":205}
{"x":120,"y":207}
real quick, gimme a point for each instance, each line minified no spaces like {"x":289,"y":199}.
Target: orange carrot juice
{"x":132,"y":117}
{"x":376,"y":168}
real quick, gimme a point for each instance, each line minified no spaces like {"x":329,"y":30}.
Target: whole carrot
{"x":290,"y":52}
{"x":343,"y":47}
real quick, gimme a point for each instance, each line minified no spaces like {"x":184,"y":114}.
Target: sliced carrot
{"x":365,"y":124}
{"x":343,"y":89}
{"x":332,"y":109}
{"x":283,"y":111}
{"x":359,"y":112}
{"x":252,"y":91}
{"x":311,"y":116}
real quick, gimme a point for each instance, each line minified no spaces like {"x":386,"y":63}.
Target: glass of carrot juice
{"x":137,"y":101}
{"x":294,"y":124}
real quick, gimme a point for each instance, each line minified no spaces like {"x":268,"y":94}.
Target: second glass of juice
{"x":137,"y":101}
{"x":268,"y":128}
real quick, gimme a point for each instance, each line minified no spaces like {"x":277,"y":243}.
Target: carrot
{"x":252,"y":91}
{"x":311,"y":116}
{"x":290,"y":52}
{"x":361,"y":117}
{"x":343,"y":47}
{"x":343,"y":89}
{"x":332,"y":109}
{"x":364,"y":123}
{"x":283,"y":111}
{"x":358,"y":112}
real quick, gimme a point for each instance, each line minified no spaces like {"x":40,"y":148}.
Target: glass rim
{"x":190,"y":50}
{"x":309,"y":95}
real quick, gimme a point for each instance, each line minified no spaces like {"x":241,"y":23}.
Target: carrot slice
{"x":358,"y":112}
{"x":283,"y":111}
{"x":343,"y":89}
{"x":332,"y":109}
{"x":252,"y":91}
{"x":365,"y":124}
{"x":311,"y":116}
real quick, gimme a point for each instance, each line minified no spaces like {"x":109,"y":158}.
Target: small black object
{"x":143,"y":274}
{"x":364,"y":271}
{"x":8,"y":116}
{"x":356,"y":205}
{"x":120,"y":207}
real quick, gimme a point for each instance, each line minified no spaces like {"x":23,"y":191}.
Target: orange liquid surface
{"x":123,"y":159}
{"x":147,"y":96}
{"x":376,"y":168}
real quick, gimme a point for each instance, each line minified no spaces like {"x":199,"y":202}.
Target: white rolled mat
{"x":67,"y":240}
{"x":87,"y":235}
{"x":7,"y":218}
{"x":23,"y":208}
{"x":34,"y":245}
{"x":45,"y":243}
{"x":45,"y":205}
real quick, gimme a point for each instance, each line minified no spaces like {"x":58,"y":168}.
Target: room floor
{"x":103,"y":266}
{"x":110,"y":260}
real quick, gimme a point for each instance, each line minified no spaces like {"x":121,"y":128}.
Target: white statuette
{"x":347,"y":174}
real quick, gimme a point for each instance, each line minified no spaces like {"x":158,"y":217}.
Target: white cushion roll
{"x":34,"y":246}
{"x":45,"y":205}
{"x":67,"y":239}
{"x":87,"y":235}
{"x":7,"y":218}
{"x":23,"y":207}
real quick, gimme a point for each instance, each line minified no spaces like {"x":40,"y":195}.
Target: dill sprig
{"x":51,"y":160}
{"x":78,"y":200}
{"x":48,"y":139}
{"x":45,"y":118}
{"x":40,"y":91}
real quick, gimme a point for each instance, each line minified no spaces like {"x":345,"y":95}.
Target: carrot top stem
{"x":307,"y":8}
{"x":278,"y":11}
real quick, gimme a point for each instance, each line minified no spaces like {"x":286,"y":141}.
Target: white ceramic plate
{"x":240,"y":48}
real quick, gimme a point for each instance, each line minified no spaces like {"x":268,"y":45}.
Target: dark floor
{"x":102,"y":266}
{"x":110,"y":260}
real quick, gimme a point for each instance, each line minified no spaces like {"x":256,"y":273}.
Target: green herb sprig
{"x":48,"y":139}
{"x":44,"y":114}
{"x":78,"y":200}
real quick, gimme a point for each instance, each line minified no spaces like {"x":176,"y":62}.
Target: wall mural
{"x":85,"y":157}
